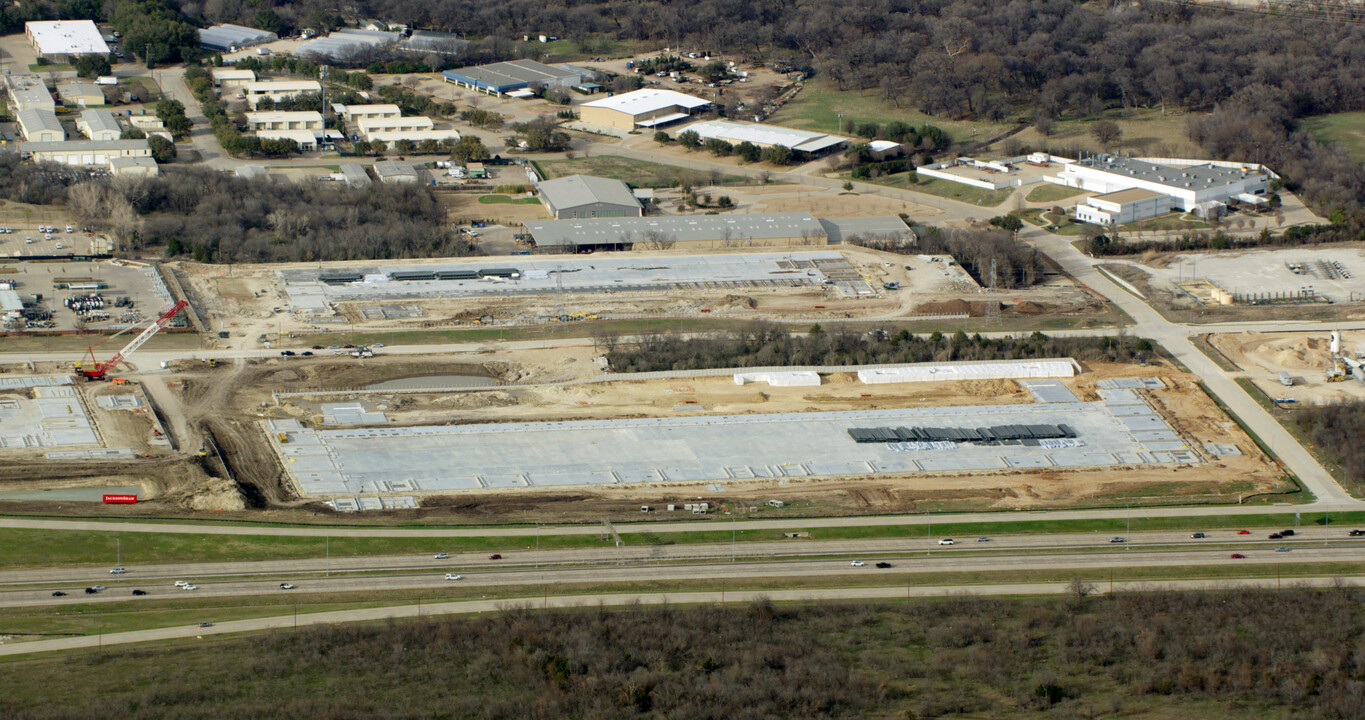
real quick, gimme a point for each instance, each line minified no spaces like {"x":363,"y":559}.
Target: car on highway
{"x":1274,"y":536}
{"x":983,"y":538}
{"x":946,"y":541}
{"x":1281,"y":549}
{"x":441,"y":556}
{"x":1356,"y":533}
{"x":1286,"y":533}
{"x":97,"y":587}
{"x":181,"y":583}
{"x":58,"y":593}
{"x":348,"y":346}
{"x":286,"y":586}
{"x":203,"y":625}
{"x":453,"y":576}
{"x":883,"y":565}
{"x":1238,"y":556}
{"x":189,"y":587}
{"x":495,"y":556}
{"x":117,"y":571}
{"x":1117,"y":539}
{"x":1198,"y":536}
{"x":333,"y":347}
{"x":139,"y":593}
{"x":1243,"y":532}
{"x":377,"y":345}
{"x":317,"y":347}
{"x":90,"y":591}
{"x":857,"y":563}
{"x":287,"y":353}
{"x":307,"y":353}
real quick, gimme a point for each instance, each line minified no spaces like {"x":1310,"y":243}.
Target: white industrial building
{"x":735,"y":133}
{"x":353,"y":113}
{"x":1199,"y":186}
{"x":84,"y":152}
{"x":40,"y":126}
{"x":984,"y":370}
{"x":368,"y":125}
{"x":232,"y":78}
{"x":64,"y":38}
{"x":99,"y":125}
{"x":642,"y":108}
{"x":1124,"y":206}
{"x":284,"y":120}
{"x":25,"y":91}
{"x":416,"y":136}
{"x":305,"y":139}
{"x":278,"y":90}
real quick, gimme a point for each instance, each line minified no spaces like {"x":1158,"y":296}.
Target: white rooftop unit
{"x":950,"y":372}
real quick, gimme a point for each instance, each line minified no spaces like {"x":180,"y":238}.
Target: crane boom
{"x":101,"y":368}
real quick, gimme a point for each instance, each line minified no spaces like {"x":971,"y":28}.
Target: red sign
{"x":120,"y":499}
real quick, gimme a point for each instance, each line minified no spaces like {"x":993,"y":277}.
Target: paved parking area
{"x":1119,"y":430}
{"x":56,"y":281}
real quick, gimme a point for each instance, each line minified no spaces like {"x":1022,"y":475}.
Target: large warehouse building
{"x":1124,"y":206}
{"x":40,"y":126}
{"x":1197,"y":186}
{"x":504,"y":77}
{"x":801,"y":141}
{"x":284,"y":120}
{"x":27,"y":91}
{"x":346,"y":43}
{"x":231,"y":38}
{"x":583,"y":196}
{"x":705,"y":231}
{"x":60,"y":39}
{"x":642,"y":108}
{"x":278,"y":89}
{"x":84,"y":152}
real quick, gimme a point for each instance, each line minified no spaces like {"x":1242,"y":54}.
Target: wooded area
{"x":763,"y":344}
{"x":1335,"y":431}
{"x":1239,"y":655}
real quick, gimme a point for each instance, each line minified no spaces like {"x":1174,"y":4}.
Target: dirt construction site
{"x":242,"y":439}
{"x":1305,"y":358}
{"x":862,"y":284}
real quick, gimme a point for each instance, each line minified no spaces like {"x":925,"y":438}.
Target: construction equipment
{"x":211,"y":362}
{"x":203,"y":448}
{"x":1339,"y":370}
{"x":98,"y":370}
{"x":362,"y":352}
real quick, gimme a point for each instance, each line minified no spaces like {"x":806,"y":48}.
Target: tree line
{"x":1335,"y":431}
{"x":979,"y":252}
{"x":763,"y":344}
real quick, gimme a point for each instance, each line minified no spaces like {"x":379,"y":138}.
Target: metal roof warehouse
{"x":228,"y":37}
{"x":501,"y":77}
{"x":722,"y":230}
{"x":766,"y":135}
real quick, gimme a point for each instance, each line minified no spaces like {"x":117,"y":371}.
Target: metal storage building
{"x":426,"y":41}
{"x":502,"y":77}
{"x":229,"y":78}
{"x":99,"y":125}
{"x":356,"y":176}
{"x":800,"y":141}
{"x":27,"y":90}
{"x":133,"y":166}
{"x":584,"y":196}
{"x":76,"y":92}
{"x":40,"y":126}
{"x":393,"y":171}
{"x":642,"y":108}
{"x":84,"y":152}
{"x":231,"y":38}
{"x":705,"y":231}
{"x":346,"y":42}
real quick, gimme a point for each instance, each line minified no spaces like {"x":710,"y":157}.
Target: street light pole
{"x":118,"y":560}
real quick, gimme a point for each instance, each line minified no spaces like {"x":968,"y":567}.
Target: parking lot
{"x":57,"y":282}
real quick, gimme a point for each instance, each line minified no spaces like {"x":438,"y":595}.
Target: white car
{"x":857,"y":563}
{"x":441,"y":556}
{"x":453,"y":576}
{"x":946,"y":541}
{"x":189,"y":587}
{"x":181,"y":583}
{"x":117,"y":571}
{"x":286,"y":586}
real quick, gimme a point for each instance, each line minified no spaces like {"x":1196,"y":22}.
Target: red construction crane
{"x":98,"y":369}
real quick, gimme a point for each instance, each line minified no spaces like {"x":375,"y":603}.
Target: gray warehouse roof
{"x":356,"y":176}
{"x":593,"y":231}
{"x":222,"y":37}
{"x":515,"y":72}
{"x":1199,"y":176}
{"x":346,"y":42}
{"x":393,"y":169}
{"x":577,"y":190}
{"x":841,"y":229}
{"x":34,"y":119}
{"x":82,"y":145}
{"x":99,"y":119}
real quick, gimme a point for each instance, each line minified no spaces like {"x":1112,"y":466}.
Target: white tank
{"x":1336,"y":343}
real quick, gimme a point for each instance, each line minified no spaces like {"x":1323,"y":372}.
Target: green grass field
{"x":505,"y":200}
{"x":639,"y":173}
{"x":961,"y":193}
{"x":1052,"y":192}
{"x":820,"y":103}
{"x":70,"y":343}
{"x":1345,"y":129}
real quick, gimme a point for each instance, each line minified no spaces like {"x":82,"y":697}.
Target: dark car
{"x":287,"y":353}
{"x":317,"y":347}
{"x":139,"y":593}
{"x":1238,"y":556}
{"x":1199,"y":536}
{"x":307,"y":353}
{"x":1356,"y":533}
{"x":59,"y":593}
{"x":348,"y":346}
{"x":90,"y":591}
{"x":883,"y":565}
{"x":1274,"y":536}
{"x":495,"y":556}
{"x":1286,"y":533}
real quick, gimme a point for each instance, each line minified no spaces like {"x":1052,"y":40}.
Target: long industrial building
{"x":284,"y":120}
{"x":84,"y":152}
{"x":231,"y":38}
{"x":792,"y":229}
{"x":583,"y":196}
{"x":278,"y":89}
{"x":646,"y":108}
{"x":1194,"y":185}
{"x":504,"y":77}
{"x":800,"y":141}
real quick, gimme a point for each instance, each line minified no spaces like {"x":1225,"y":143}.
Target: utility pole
{"x":118,"y":560}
